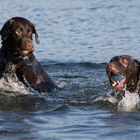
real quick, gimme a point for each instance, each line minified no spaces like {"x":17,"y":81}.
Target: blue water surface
{"x":77,"y":39}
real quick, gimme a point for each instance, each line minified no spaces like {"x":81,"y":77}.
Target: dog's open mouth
{"x":118,"y":81}
{"x":117,"y":78}
{"x":23,"y":53}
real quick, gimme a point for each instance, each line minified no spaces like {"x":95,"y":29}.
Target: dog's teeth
{"x":114,"y":84}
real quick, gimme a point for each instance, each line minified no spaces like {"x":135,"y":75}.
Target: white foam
{"x":129,"y":103}
{"x":61,"y":84}
{"x":11,"y":85}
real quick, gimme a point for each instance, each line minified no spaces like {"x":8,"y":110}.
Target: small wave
{"x":83,"y":64}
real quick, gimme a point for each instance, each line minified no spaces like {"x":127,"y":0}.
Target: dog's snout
{"x":29,"y":45}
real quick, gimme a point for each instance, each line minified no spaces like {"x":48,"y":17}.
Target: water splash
{"x":130,"y":102}
{"x":10,"y":85}
{"x":107,"y":99}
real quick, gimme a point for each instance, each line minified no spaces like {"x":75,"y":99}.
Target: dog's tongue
{"x":117,"y":78}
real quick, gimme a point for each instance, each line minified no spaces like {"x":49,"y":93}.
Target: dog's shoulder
{"x":3,"y":62}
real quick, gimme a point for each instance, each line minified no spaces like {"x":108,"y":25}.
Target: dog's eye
{"x":21,"y":29}
{"x":18,"y":33}
{"x":29,"y":32}
{"x":123,"y":61}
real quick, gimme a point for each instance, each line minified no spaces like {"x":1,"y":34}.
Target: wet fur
{"x":17,"y":49}
{"x":129,"y":67}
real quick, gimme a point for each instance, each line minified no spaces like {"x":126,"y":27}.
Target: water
{"x":77,"y":39}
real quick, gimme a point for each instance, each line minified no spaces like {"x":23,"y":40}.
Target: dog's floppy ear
{"x":36,"y":34}
{"x":4,"y":32}
{"x":138,"y":65}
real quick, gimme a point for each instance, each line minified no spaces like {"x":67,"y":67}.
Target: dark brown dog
{"x":124,"y":72}
{"x":17,"y":48}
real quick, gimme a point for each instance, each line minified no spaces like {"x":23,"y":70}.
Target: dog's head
{"x":17,"y":34}
{"x":124,"y":71}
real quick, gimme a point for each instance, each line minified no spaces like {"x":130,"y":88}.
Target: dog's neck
{"x":7,"y":51}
